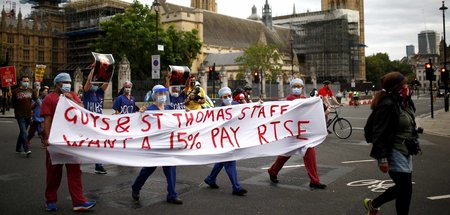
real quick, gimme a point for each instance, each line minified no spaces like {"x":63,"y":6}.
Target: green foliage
{"x":132,"y":34}
{"x":379,"y":64}
{"x":260,"y":56}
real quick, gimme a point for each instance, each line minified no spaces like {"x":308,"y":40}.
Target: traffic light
{"x":256,"y":77}
{"x":429,"y":72}
{"x":212,"y":75}
{"x":444,"y":74}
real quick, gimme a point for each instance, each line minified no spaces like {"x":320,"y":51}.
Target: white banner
{"x":163,"y":138}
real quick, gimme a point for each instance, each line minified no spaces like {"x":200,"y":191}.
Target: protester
{"x":393,"y":128}
{"x":21,"y":100}
{"x":37,"y":120}
{"x":177,"y":97}
{"x":309,"y":154}
{"x":339,"y":96}
{"x":125,"y":103}
{"x":195,"y":95}
{"x":160,"y":97}
{"x":240,"y":98}
{"x":92,"y":97}
{"x":63,"y":86}
{"x":248,"y":94}
{"x":356,"y":98}
{"x":230,"y":166}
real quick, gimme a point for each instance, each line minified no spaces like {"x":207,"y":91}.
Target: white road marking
{"x":438,"y":197}
{"x":6,"y":122}
{"x":358,"y":161}
{"x":286,"y":167}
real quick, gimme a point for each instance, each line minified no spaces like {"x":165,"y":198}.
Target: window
{"x":10,"y":38}
{"x":26,"y":40}
{"x":55,"y":57}
{"x":55,"y":44}
{"x":41,"y":56}
{"x":41,"y":41}
{"x":10,"y":54}
{"x":26,"y":55}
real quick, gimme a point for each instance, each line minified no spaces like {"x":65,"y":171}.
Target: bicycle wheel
{"x":342,"y":128}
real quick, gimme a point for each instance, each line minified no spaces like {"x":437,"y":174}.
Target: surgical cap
{"x":224,"y":90}
{"x":62,"y":77}
{"x":296,"y":81}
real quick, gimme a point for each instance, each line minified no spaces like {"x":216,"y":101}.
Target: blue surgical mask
{"x":175,"y":95}
{"x":94,"y":88}
{"x":25,"y":84}
{"x":66,"y":88}
{"x":162,"y":99}
{"x":297,"y":91}
{"x":227,"y":101}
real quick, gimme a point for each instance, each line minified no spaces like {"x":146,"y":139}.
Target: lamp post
{"x":443,"y":8}
{"x":155,"y":6}
{"x":292,"y":55}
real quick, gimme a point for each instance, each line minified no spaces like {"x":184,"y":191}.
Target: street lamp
{"x":443,"y":8}
{"x":155,"y":6}
{"x":292,"y":55}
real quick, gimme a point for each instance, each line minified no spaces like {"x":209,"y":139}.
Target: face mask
{"x":162,"y":99}
{"x":406,"y":92}
{"x":127,"y":90}
{"x":44,"y":93}
{"x":175,"y":95}
{"x":297,"y":91}
{"x":66,"y":88}
{"x":227,"y":101}
{"x":25,"y":84}
{"x":94,"y":88}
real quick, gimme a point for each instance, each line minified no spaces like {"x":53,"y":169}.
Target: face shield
{"x":161,"y":96}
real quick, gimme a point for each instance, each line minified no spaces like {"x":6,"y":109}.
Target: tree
{"x":379,"y":64}
{"x":261,"y":57}
{"x":132,"y":34}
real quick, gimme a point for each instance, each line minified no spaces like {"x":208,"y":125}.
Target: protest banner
{"x":39,"y":72}
{"x":165,"y":138}
{"x":103,"y":68}
{"x":179,"y":74}
{"x":8,"y":74}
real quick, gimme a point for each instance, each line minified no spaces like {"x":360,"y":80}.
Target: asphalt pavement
{"x":344,"y":165}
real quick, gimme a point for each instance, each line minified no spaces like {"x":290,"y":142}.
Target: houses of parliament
{"x":59,"y":35}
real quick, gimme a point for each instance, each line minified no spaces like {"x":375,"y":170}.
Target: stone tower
{"x":357,"y":5}
{"x":267,"y":15}
{"x":209,"y":5}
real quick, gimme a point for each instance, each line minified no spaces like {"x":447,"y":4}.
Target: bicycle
{"x":373,"y":184}
{"x":341,"y":127}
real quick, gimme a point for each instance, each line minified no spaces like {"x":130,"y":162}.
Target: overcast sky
{"x":390,"y":25}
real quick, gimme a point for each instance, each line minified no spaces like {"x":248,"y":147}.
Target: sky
{"x":390,"y":25}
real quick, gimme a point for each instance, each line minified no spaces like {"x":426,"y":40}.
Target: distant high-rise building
{"x":410,"y":50}
{"x":428,"y":42}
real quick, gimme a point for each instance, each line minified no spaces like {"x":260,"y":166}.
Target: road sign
{"x":156,"y":67}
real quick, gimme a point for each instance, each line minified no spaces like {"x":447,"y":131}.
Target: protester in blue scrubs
{"x":230,"y":166}
{"x":125,"y":103}
{"x":160,"y":96}
{"x":93,"y":101}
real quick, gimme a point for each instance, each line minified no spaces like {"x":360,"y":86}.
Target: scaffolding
{"x":83,"y":18}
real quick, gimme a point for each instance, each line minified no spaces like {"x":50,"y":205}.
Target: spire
{"x":267,"y":15}
{"x":293,"y":11}
{"x":254,"y":15}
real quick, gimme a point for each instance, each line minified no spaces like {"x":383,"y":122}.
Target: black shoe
{"x":212,"y":185}
{"x":176,"y":201}
{"x":135,"y":196}
{"x":317,"y":186}
{"x":100,"y":170}
{"x":273,"y":178}
{"x":241,"y":192}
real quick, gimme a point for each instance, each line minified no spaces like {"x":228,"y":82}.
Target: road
{"x":340,"y":162}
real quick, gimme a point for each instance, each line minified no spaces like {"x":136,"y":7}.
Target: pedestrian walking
{"x":309,"y":154}
{"x":21,"y":99}
{"x":392,"y":129}
{"x":160,"y":96}
{"x":230,"y":166}
{"x":92,"y":97}
{"x":125,"y":102}
{"x":37,"y":120}
{"x":63,"y":87}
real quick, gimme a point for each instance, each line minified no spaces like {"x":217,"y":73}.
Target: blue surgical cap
{"x":296,"y":81}
{"x":224,"y":90}
{"x":62,"y":77}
